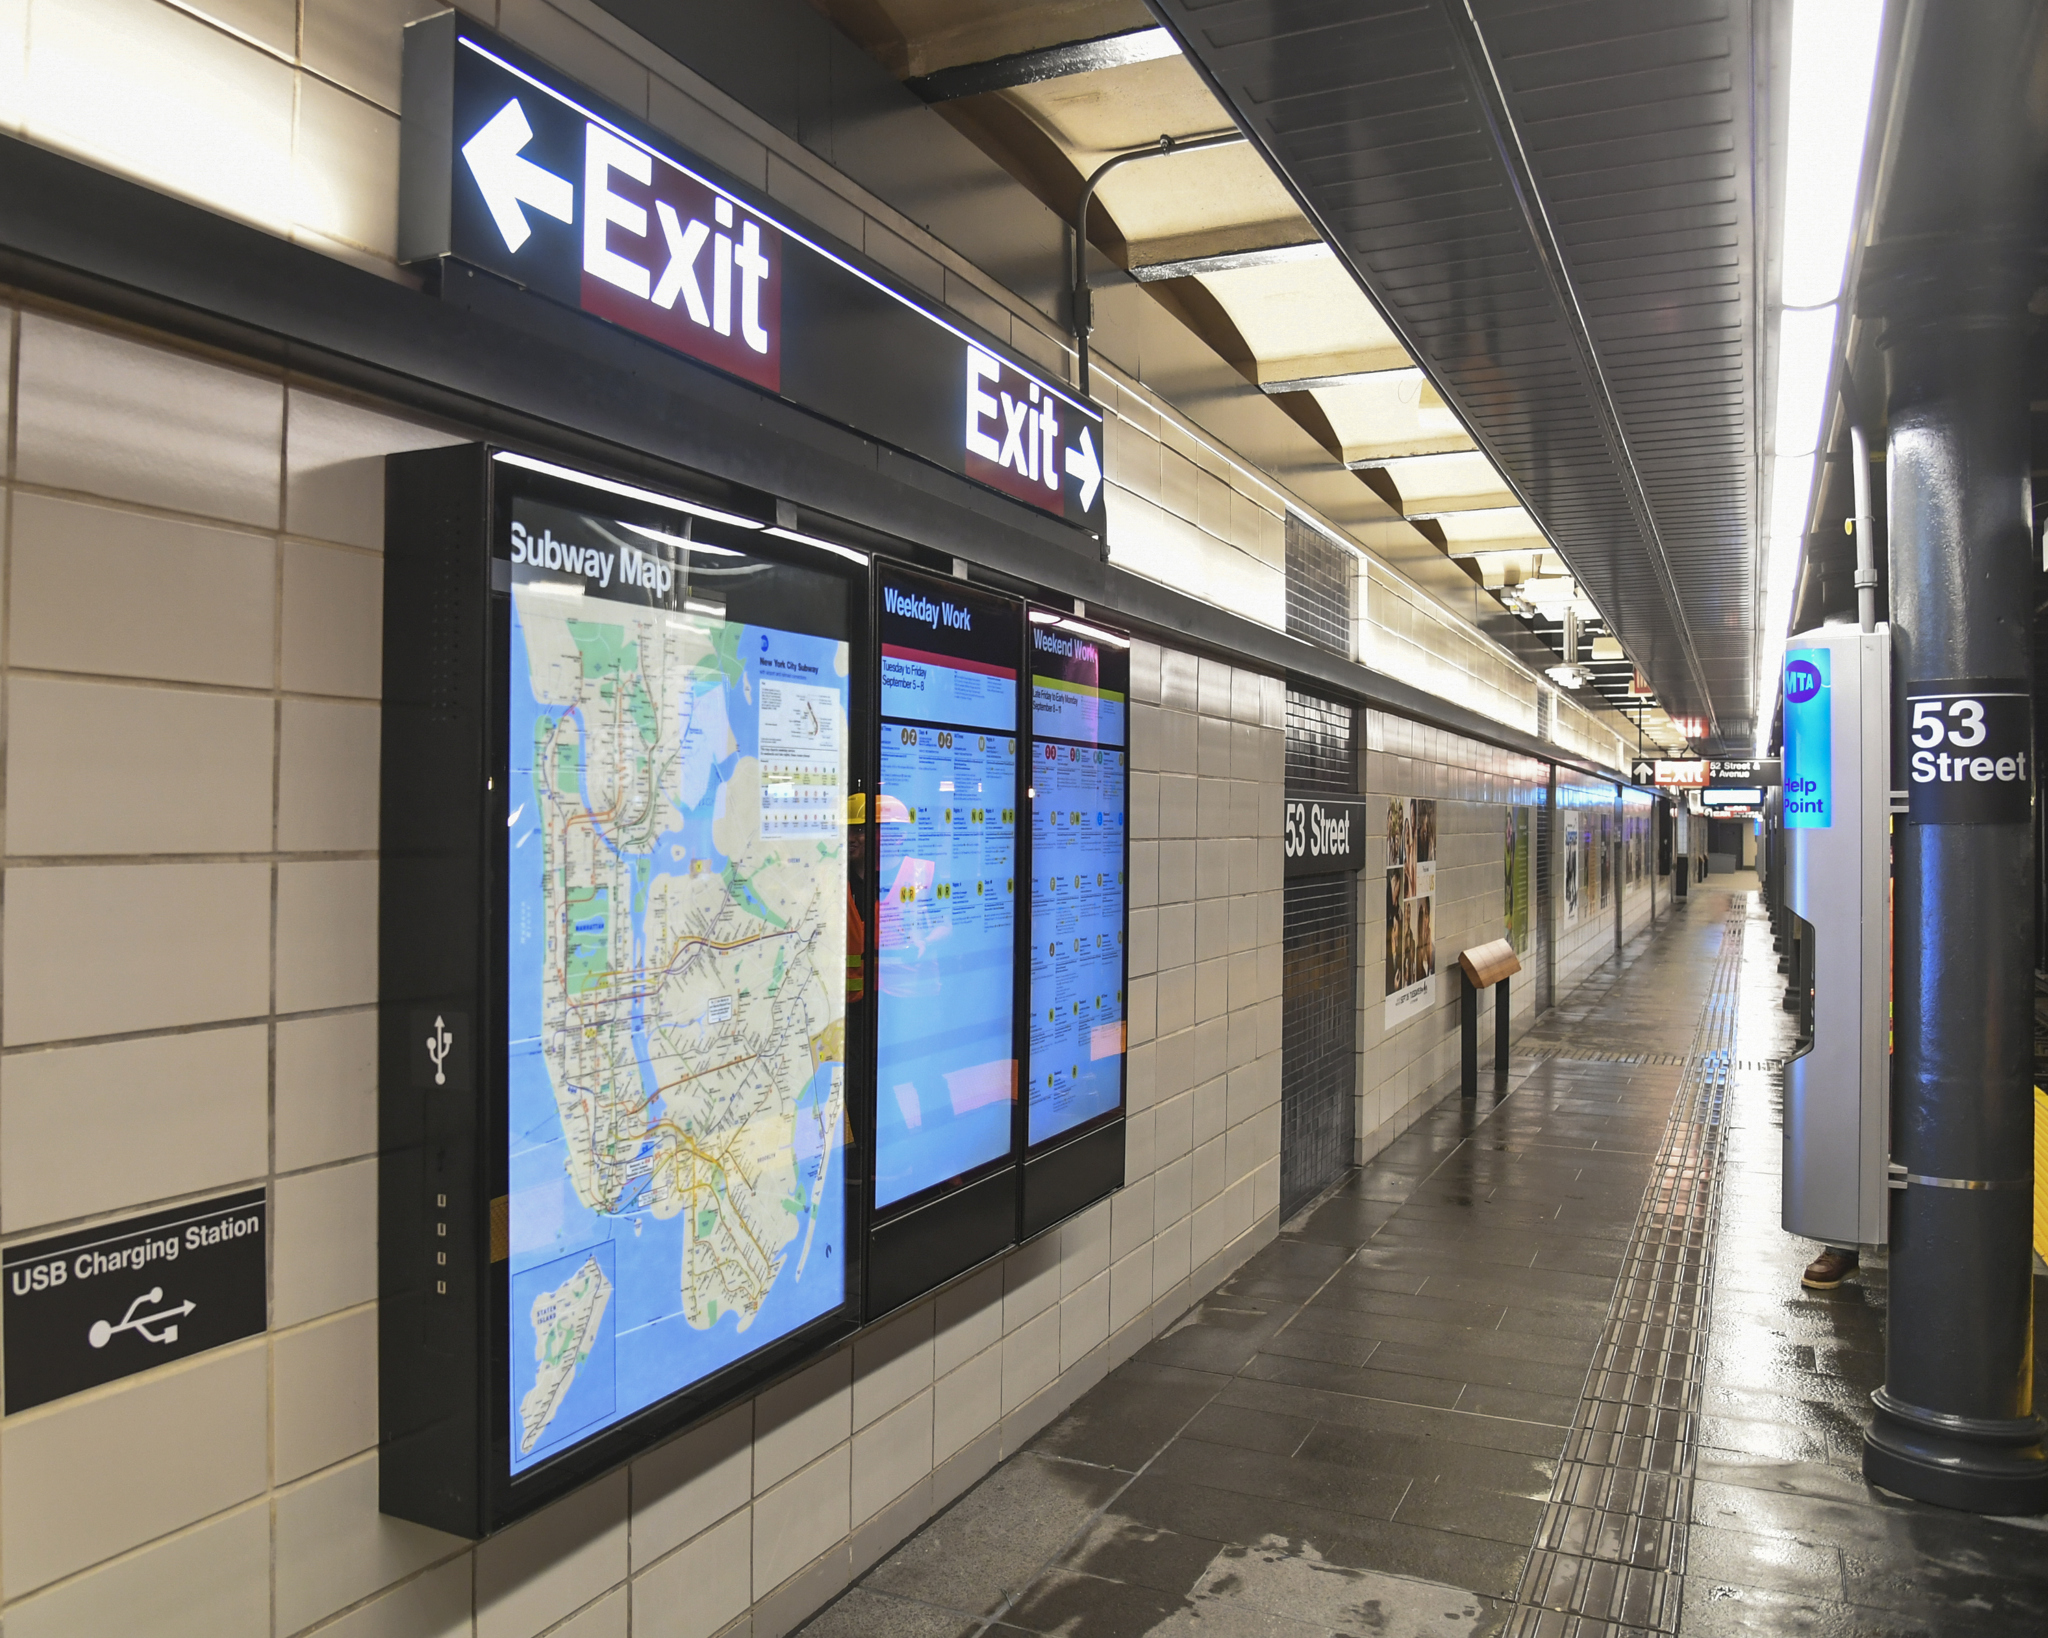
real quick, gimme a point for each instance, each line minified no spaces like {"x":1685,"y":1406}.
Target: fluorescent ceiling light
{"x":821,"y":545}
{"x":1834,"y":63}
{"x":1806,"y":357}
{"x":626,"y":491}
{"x":684,"y":541}
{"x":1833,"y":73}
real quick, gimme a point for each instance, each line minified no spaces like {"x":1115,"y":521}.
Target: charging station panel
{"x":1837,"y":867}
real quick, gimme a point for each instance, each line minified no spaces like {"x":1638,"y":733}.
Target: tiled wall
{"x":1402,"y":634}
{"x":1637,"y":903}
{"x":191,"y":670}
{"x":1588,"y":939}
{"x":1182,"y":513}
{"x":1474,"y":787}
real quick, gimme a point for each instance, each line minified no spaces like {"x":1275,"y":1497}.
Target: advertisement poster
{"x":1572,"y":906}
{"x":1517,"y":843}
{"x":1606,"y":855}
{"x":1411,"y":909}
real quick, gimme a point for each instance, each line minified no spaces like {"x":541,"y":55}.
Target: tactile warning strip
{"x":1663,"y":1060}
{"x":1611,"y":1552}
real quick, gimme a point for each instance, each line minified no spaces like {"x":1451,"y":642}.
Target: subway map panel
{"x":676,"y":1006}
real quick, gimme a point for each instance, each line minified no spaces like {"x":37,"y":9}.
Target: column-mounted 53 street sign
{"x":510,"y":167}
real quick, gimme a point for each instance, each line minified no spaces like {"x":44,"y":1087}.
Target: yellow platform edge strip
{"x":2041,"y":1172}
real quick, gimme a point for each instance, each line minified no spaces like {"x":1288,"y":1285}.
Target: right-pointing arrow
{"x":1082,"y":464}
{"x":507,"y":179}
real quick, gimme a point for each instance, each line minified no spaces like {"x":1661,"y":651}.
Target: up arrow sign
{"x":507,"y":179}
{"x":1082,"y":464}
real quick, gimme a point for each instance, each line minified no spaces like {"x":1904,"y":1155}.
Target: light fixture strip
{"x":626,"y":491}
{"x":1832,"y":75}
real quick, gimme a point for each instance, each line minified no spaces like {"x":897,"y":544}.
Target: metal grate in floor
{"x":1611,"y":1550}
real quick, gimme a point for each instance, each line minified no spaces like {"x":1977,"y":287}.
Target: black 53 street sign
{"x":1967,"y":753}
{"x":1322,"y":834}
{"x":511,"y":167}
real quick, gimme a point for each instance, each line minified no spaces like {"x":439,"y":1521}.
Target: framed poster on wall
{"x":948,"y":868}
{"x":617,"y":1178}
{"x":1411,"y":909}
{"x":1080,"y":856}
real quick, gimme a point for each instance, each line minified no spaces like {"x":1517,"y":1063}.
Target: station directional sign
{"x":513,"y":168}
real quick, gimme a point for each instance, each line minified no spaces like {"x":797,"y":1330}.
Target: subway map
{"x":676,"y":987}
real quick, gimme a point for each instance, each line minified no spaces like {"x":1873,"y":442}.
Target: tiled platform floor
{"x":1363,"y":1431}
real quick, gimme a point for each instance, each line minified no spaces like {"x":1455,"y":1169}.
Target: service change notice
{"x":946,"y":1076}
{"x":1079,"y":679}
{"x":676,"y":977}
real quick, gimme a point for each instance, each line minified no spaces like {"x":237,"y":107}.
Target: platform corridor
{"x":1543,"y":1367}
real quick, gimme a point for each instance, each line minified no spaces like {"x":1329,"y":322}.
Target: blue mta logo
{"x":1802,"y":681}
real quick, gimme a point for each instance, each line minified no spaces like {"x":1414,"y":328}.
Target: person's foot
{"x":1829,"y":1269}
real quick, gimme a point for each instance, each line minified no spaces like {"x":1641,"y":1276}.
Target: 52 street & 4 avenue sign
{"x":510,"y":167}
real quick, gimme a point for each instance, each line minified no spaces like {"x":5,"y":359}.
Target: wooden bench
{"x":1486,"y":966}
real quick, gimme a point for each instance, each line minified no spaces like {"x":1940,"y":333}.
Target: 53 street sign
{"x":510,"y":167}
{"x":1321,"y":834}
{"x":1966,"y":753}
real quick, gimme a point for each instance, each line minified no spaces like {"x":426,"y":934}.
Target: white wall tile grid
{"x":1475,"y":787}
{"x":1586,"y":940}
{"x":186,"y":970}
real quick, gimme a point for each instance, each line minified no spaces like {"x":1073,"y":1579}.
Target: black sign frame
{"x":443,"y":1247}
{"x":1071,"y":1170}
{"x":950,"y":1225}
{"x":1322,"y":835}
{"x":1991,"y":722}
{"x":172,"y":1284}
{"x":846,"y":340}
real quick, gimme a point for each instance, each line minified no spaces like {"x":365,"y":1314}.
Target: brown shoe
{"x":1829,"y":1269}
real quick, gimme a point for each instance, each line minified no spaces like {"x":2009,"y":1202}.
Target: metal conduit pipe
{"x":1084,"y":304}
{"x":1866,"y":547}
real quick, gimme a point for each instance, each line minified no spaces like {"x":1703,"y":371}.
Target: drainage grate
{"x":1611,"y":1550}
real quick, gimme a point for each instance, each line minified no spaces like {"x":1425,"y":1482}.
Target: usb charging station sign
{"x":510,"y":167}
{"x":92,"y":1307}
{"x":1966,"y":753}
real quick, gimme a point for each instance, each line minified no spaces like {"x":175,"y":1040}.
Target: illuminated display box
{"x":618,"y":1024}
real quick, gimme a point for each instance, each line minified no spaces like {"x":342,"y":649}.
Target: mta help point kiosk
{"x":1837,"y":864}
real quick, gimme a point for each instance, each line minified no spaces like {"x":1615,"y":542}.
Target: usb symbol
{"x":437,"y":1049}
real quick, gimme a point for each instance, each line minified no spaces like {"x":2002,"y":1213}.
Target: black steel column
{"x":1955,"y":1422}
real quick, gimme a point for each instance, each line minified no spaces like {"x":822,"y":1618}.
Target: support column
{"x":1955,"y":1422}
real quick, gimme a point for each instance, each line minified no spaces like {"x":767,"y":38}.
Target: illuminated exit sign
{"x":513,"y":168}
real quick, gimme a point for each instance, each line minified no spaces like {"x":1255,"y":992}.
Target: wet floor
{"x":1544,"y":1367}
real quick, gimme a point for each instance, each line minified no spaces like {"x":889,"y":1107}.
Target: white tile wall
{"x":1474,"y":787}
{"x":210,"y":1015}
{"x":197,"y":543}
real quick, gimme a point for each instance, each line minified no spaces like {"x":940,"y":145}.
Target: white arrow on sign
{"x":1082,"y":464}
{"x":507,"y":179}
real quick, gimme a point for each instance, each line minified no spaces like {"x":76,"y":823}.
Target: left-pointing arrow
{"x":507,"y":179}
